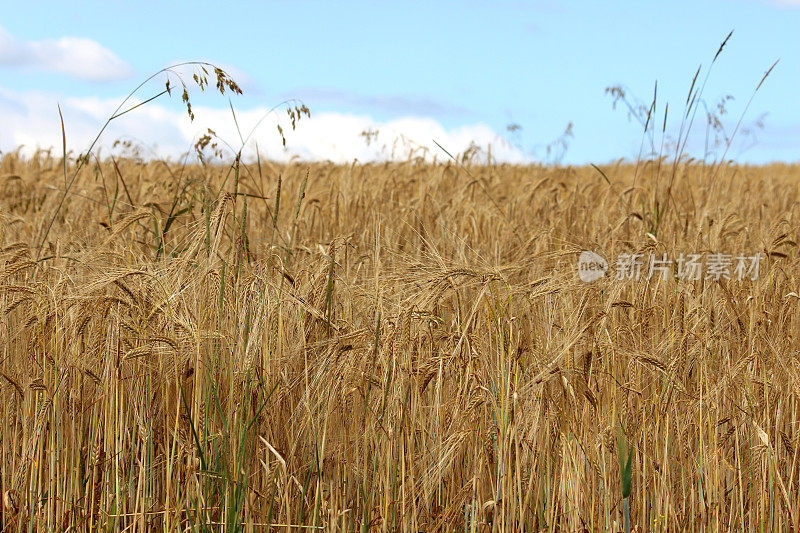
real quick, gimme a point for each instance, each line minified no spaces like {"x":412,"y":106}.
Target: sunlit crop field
{"x":396,"y":347}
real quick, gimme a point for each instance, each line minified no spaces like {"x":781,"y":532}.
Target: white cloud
{"x":83,"y":58}
{"x":31,"y":118}
{"x":338,"y":137}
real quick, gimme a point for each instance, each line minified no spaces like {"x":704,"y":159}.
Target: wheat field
{"x":394,"y":347}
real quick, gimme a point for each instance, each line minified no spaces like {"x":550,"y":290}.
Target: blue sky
{"x":422,"y":69}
